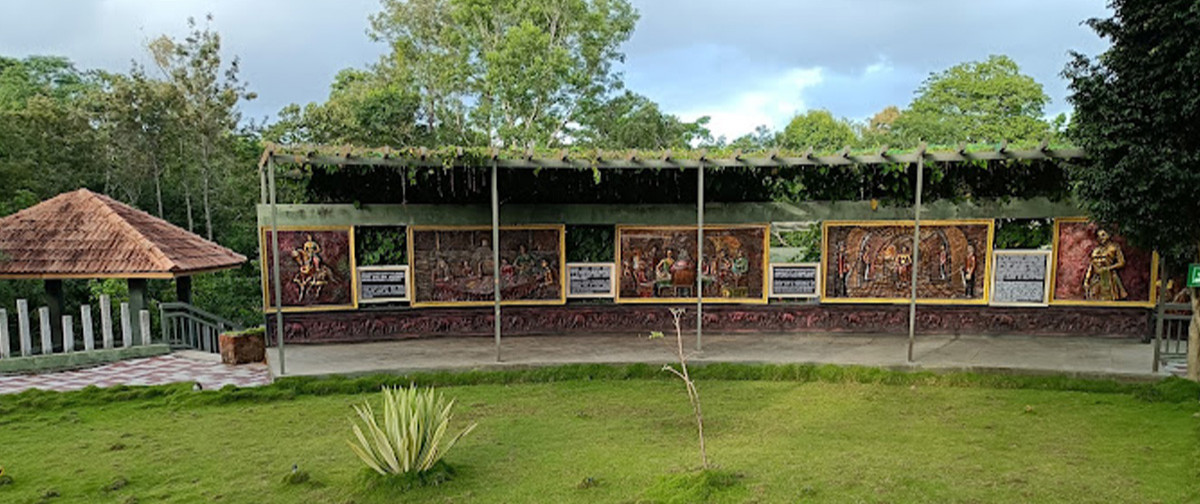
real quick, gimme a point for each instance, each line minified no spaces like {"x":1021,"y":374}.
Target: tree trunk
{"x":158,"y":189}
{"x":208,"y":226}
{"x":187,"y":199}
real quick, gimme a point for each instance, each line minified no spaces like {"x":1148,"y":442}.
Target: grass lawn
{"x":536,"y":442}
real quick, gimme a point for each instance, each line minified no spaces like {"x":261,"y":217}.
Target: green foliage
{"x":1136,"y":113}
{"x":706,"y":485}
{"x":819,"y":130}
{"x":363,"y":108}
{"x":380,"y":245}
{"x":253,"y":331}
{"x":411,"y":436}
{"x":632,"y":121}
{"x":979,"y":101}
{"x":1024,"y":233}
{"x":590,"y":243}
{"x":760,"y":140}
{"x":232,"y":294}
{"x":808,"y":240}
{"x":512,"y":73}
{"x":20,"y":200}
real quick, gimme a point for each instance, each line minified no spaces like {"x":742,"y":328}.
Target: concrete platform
{"x":1119,"y":358}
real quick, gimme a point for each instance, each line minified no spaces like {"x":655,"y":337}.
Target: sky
{"x":744,"y":63}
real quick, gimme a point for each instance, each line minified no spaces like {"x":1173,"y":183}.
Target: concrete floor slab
{"x":1058,"y":355}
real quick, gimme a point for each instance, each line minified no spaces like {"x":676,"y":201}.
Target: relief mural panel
{"x":658,"y":264}
{"x":453,"y":266}
{"x":316,"y":266}
{"x":873,"y":261}
{"x":1095,"y":266}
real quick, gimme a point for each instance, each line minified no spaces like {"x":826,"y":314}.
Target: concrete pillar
{"x":126,"y":326}
{"x":144,"y":326}
{"x":89,"y":335}
{"x":5,"y":344}
{"x":137,"y":303}
{"x":183,"y":289}
{"x":68,"y":328}
{"x":46,"y":327}
{"x":23,"y":328}
{"x":54,"y":301}
{"x":106,"y":320}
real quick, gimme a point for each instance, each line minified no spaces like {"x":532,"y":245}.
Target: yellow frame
{"x":766,"y":261}
{"x":562,"y":265}
{"x":1153,"y":296}
{"x":266,"y":277}
{"x":987,"y":292}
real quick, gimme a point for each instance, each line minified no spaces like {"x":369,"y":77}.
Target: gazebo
{"x":85,"y":235}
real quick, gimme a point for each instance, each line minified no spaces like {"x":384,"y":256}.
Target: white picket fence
{"x":24,"y":332}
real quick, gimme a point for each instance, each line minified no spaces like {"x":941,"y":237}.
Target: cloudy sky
{"x":743,"y":62}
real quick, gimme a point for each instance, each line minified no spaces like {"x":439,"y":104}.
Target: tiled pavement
{"x":173,"y":368}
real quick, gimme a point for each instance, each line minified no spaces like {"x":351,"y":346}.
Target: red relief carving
{"x":376,"y":325}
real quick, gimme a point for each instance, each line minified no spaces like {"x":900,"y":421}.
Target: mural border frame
{"x":268,"y":308}
{"x":562,"y":265}
{"x":987,"y":293}
{"x":1053,"y":301}
{"x":766,"y":262}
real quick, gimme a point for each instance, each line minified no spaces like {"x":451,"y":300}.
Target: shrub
{"x":412,"y":436}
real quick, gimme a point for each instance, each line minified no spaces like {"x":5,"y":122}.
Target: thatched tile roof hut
{"x":82,"y":234}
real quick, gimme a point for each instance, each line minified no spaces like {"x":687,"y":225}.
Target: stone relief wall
{"x":582,"y":319}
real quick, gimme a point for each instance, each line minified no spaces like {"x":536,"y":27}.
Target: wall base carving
{"x":405,"y":323}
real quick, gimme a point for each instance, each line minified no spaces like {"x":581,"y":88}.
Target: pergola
{"x":84,"y":235}
{"x":699,"y":160}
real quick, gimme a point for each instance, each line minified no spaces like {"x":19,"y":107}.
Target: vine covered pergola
{"x":496,"y":160}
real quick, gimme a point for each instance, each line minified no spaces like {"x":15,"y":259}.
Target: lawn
{"x":786,"y":441}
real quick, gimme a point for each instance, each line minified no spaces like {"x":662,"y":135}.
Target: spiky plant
{"x":411,"y":438}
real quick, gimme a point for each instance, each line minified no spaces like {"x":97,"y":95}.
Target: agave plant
{"x":412,"y":435}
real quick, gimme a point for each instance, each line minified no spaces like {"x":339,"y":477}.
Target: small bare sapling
{"x":682,"y":373}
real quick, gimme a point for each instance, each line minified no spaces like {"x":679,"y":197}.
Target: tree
{"x":632,"y":121}
{"x":210,"y":94}
{"x":363,"y":108}
{"x":140,"y":121}
{"x":819,"y":130}
{"x":522,"y":72}
{"x":761,"y":139}
{"x":1137,"y":112}
{"x":979,"y":101}
{"x":46,"y":139}
{"x":878,"y":130}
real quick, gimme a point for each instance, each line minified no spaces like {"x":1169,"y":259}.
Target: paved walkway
{"x":174,"y":368}
{"x":1072,"y":355}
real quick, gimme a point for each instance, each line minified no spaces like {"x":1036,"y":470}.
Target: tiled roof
{"x":82,"y":234}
